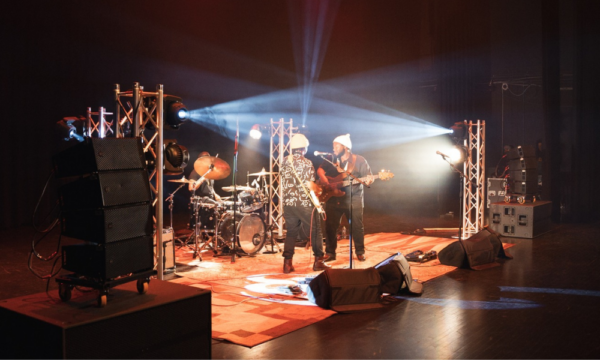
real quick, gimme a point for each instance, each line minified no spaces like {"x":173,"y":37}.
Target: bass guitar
{"x":336,"y":183}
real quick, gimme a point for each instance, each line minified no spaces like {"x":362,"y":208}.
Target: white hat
{"x":344,"y":140}
{"x":298,"y":141}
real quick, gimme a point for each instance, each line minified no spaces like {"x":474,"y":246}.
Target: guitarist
{"x":300,"y":214}
{"x":339,"y":205}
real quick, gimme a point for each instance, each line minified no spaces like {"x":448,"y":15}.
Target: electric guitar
{"x":325,"y":192}
{"x":309,"y":192}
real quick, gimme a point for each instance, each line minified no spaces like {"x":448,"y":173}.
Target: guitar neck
{"x":354,"y":182}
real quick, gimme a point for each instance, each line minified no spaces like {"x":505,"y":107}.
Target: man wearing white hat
{"x":300,"y":214}
{"x":350,"y":203}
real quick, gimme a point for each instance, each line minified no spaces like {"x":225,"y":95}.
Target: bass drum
{"x":251,"y":231}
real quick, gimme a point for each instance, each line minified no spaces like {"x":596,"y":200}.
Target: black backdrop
{"x":60,"y":57}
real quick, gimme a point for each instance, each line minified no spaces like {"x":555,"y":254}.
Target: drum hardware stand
{"x":196,"y":233}
{"x":273,"y":242}
{"x":170,"y":200}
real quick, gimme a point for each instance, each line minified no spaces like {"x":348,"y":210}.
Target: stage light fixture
{"x":458,"y":154}
{"x":175,"y":112}
{"x":255,"y":132}
{"x":68,"y":128}
{"x":176,"y":157}
{"x":459,"y":131}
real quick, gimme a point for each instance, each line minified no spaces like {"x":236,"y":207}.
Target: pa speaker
{"x":521,"y":151}
{"x":106,"y":225}
{"x":106,"y":189}
{"x":523,"y":164}
{"x":108,"y":261}
{"x":95,"y":154}
{"x":477,"y":252}
{"x":347,"y":290}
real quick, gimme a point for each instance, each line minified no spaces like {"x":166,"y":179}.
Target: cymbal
{"x":183,"y":180}
{"x":237,"y":188}
{"x":263,"y":172}
{"x":221,"y":169}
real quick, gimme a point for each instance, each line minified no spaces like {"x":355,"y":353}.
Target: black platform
{"x":170,"y":321}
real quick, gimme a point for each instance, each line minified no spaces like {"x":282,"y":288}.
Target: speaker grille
{"x":108,"y":225}
{"x":111,"y":260}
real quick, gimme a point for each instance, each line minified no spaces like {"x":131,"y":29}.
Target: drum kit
{"x":216,"y":224}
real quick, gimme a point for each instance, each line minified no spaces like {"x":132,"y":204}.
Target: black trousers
{"x":335,"y":209}
{"x":302,"y":220}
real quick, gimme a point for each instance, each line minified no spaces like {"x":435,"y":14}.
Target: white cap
{"x":298,"y":141}
{"x":344,"y":140}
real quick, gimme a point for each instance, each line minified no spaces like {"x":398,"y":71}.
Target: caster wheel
{"x":507,"y":199}
{"x":64,"y":292}
{"x":102,"y":300}
{"x":521,"y":200}
{"x":142,"y":286}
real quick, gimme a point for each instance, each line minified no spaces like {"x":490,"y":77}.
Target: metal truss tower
{"x":473,"y":185}
{"x":143,"y":117}
{"x":281,"y":133}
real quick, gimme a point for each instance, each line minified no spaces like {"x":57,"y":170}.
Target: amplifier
{"x":496,"y":190}
{"x":521,"y":220}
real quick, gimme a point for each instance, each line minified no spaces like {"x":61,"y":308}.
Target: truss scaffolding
{"x":281,"y":133}
{"x":473,"y":185}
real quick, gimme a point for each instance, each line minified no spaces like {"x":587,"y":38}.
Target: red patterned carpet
{"x":252,"y":301}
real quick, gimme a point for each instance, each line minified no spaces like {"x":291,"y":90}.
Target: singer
{"x":335,"y":207}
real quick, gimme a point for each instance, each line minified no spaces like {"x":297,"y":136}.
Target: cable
{"x":38,"y":204}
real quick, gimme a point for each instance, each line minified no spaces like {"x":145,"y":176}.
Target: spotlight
{"x":68,"y":128}
{"x":459,"y":131}
{"x":175,"y":111}
{"x":176,"y":157}
{"x":458,"y":154}
{"x":255,"y":132}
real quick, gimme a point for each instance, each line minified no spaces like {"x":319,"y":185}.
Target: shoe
{"x":328,"y":257}
{"x":320,"y":264}
{"x":361,"y":257}
{"x":287,"y":266}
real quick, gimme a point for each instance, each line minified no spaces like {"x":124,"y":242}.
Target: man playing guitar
{"x":339,"y":203}
{"x":300,"y":206}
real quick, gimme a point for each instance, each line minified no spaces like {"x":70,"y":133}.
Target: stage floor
{"x":541,"y":304}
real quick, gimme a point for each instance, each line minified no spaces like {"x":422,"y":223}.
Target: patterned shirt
{"x":293,"y":194}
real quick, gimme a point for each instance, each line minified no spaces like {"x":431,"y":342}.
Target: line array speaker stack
{"x":106,"y":201}
{"x":523,"y":170}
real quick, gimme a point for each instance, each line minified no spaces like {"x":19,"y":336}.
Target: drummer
{"x":205,"y":187}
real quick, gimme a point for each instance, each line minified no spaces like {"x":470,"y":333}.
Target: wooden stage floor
{"x":541,"y":304}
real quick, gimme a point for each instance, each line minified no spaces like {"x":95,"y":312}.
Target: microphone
{"x":319,"y":153}
{"x":441,"y":153}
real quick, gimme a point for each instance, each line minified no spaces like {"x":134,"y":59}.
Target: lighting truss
{"x":473,"y":186}
{"x":281,"y":133}
{"x":143,"y":116}
{"x":101,"y":126}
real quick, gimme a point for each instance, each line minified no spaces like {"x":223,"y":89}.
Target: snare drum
{"x":251,"y":201}
{"x":228,"y":206}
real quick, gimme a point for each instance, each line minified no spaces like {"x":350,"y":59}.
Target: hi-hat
{"x":220,"y":170}
{"x":183,"y":180}
{"x":263,"y":172}
{"x":237,"y":188}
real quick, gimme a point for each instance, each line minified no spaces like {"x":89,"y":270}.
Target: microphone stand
{"x":352,"y":180}
{"x":170,"y":200}
{"x":197,"y":212}
{"x":235,"y":195}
